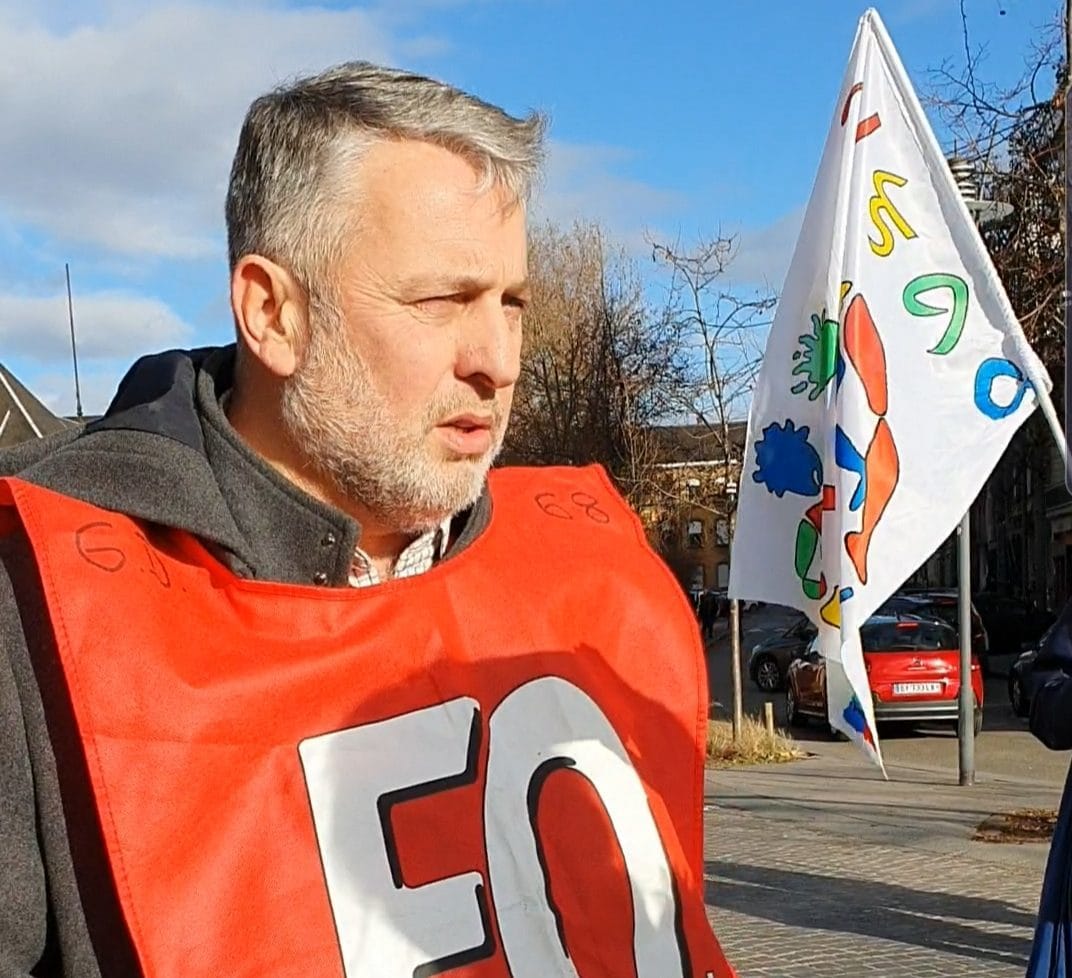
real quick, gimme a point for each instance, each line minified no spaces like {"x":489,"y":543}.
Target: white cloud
{"x":118,"y":131}
{"x":763,"y":253}
{"x":584,"y":182}
{"x":108,"y":325}
{"x":121,"y":118}
{"x":55,"y":388}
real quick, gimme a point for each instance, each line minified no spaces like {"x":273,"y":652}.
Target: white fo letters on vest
{"x":389,"y":930}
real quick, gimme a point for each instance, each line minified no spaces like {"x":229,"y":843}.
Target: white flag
{"x":894,"y":377}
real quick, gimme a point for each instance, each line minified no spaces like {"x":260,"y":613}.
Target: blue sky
{"x":668,"y":118}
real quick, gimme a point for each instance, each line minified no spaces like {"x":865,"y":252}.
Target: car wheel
{"x":977,"y":722}
{"x":1016,"y":696}
{"x":793,"y":716}
{"x":768,"y":675}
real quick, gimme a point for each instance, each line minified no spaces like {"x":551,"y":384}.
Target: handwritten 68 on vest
{"x":493,"y":769}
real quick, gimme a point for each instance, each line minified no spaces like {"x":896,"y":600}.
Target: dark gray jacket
{"x":164,"y":453}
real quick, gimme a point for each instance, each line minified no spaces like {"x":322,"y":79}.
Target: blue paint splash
{"x":848,"y":457}
{"x":786,"y":461}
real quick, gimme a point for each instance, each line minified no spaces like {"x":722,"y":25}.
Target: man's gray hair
{"x":289,"y":196}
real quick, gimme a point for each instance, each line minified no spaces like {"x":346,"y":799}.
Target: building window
{"x":722,"y":533}
{"x":695,"y":533}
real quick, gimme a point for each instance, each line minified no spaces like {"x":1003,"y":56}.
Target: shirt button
{"x":320,"y":578}
{"x":329,"y":540}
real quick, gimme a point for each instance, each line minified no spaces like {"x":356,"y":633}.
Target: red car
{"x":914,"y":668}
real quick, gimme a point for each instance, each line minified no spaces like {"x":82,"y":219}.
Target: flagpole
{"x":1049,"y":412}
{"x":996,"y":210}
{"x":735,"y":629}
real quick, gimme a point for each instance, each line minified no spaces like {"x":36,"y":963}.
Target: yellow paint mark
{"x":883,"y":210}
{"x":831,"y":611}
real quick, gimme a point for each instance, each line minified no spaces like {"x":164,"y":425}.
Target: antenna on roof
{"x":74,"y":346}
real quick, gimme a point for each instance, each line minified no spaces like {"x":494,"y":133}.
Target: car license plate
{"x":915,"y":689}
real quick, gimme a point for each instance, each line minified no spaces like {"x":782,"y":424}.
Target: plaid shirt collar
{"x":419,"y":556}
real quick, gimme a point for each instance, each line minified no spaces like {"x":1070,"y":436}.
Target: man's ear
{"x":270,"y":312}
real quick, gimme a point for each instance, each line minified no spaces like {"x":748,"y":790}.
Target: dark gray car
{"x":1028,"y":674}
{"x":769,"y":661}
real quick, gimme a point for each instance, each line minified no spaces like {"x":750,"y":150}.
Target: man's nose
{"x":489,"y":344}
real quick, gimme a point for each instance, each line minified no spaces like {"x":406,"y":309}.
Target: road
{"x":819,"y":867}
{"x":1005,"y":748}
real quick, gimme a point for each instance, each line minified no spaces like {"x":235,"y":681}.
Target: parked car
{"x":913,"y":665}
{"x":1011,"y":622}
{"x":943,"y":605}
{"x":769,"y":661}
{"x":1027,"y":675}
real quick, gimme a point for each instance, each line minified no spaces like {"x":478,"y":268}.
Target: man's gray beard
{"x":346,"y":432}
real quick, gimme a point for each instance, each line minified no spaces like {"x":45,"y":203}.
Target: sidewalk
{"x":819,"y":868}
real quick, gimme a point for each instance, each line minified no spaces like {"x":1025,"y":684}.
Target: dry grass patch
{"x":755,"y":746}
{"x":1026,"y":825}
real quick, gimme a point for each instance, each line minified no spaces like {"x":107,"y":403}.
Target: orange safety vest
{"x":492,"y":769}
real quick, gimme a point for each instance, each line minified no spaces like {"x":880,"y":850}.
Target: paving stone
{"x":810,"y":904}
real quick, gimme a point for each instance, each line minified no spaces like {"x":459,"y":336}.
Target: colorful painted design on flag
{"x":855,"y":717}
{"x":894,"y":376}
{"x":990,"y":371}
{"x":787,"y":462}
{"x":958,"y":313}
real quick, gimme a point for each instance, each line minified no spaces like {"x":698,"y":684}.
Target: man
{"x":708,"y":612}
{"x":1051,"y":723}
{"x":290,"y":687}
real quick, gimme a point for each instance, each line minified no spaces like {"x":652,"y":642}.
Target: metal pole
{"x":966,"y":700}
{"x":74,"y":347}
{"x":735,"y":637}
{"x":735,"y":659}
{"x":964,"y":175}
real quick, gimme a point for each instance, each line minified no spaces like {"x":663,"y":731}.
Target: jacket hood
{"x":146,"y":456}
{"x":158,"y":394}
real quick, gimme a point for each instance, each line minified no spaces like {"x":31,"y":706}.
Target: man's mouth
{"x":468,"y":434}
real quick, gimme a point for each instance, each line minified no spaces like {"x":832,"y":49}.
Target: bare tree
{"x":654,"y":389}
{"x":722,"y":333}
{"x":598,"y":371}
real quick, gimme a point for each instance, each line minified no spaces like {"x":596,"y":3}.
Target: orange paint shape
{"x":858,"y":87}
{"x":883,"y":472}
{"x":863,"y":348}
{"x":867,"y":126}
{"x":814,"y":514}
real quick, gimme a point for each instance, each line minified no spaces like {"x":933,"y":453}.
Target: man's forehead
{"x":474,"y":277}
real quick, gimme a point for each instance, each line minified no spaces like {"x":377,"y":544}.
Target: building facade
{"x":687,"y":506}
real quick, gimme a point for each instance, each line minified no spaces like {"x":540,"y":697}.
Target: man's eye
{"x":516,"y":302}
{"x":439,"y":303}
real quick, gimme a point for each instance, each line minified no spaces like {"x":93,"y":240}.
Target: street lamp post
{"x":983,"y":212}
{"x":735,"y":626}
